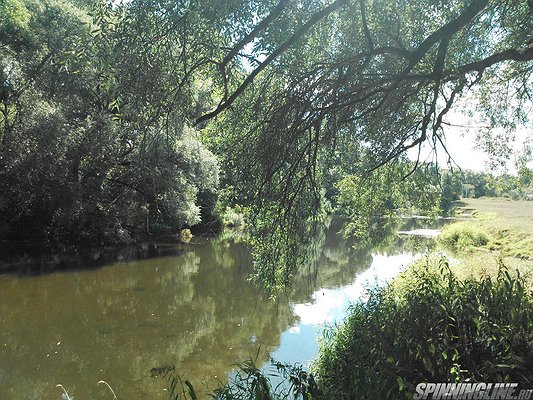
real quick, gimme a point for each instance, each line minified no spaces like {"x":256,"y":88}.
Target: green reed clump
{"x":177,"y":387}
{"x":430,"y":326}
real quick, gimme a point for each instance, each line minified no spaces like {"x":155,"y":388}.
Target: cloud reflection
{"x":330,"y":305}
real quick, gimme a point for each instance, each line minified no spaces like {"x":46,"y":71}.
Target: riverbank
{"x":464,"y":317}
{"x":504,"y":231}
{"x":39,"y":256}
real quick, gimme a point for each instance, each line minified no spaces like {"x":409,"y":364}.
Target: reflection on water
{"x":195,"y":310}
{"x":299,"y":343}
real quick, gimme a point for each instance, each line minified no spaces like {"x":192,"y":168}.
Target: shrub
{"x":233,"y":217}
{"x":430,"y":326}
{"x":464,"y":235}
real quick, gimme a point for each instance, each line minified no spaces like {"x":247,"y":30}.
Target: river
{"x":194,"y":309}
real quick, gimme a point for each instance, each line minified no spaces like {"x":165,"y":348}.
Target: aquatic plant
{"x":248,"y":382}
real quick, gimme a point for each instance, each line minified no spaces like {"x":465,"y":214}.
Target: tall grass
{"x":464,"y":235}
{"x":430,"y":326}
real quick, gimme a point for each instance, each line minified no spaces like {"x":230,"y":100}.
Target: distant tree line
{"x":470,"y":184}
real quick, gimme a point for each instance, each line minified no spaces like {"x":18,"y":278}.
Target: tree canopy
{"x":125,"y":116}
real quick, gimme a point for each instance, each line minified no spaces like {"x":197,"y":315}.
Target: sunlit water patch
{"x":299,"y":344}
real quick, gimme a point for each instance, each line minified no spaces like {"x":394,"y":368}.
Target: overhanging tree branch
{"x":280,"y":50}
{"x":253,"y":34}
{"x":449,"y":29}
{"x":481,"y":65}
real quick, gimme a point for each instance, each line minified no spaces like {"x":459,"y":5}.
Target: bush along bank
{"x":429,"y":326}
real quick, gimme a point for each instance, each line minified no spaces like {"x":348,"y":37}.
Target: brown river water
{"x":195,"y":310}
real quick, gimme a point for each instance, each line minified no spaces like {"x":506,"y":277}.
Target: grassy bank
{"x":467,"y":319}
{"x":502,"y":230}
{"x":508,"y":222}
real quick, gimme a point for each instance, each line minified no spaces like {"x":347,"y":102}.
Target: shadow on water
{"x":34,"y":258}
{"x":192,"y":307}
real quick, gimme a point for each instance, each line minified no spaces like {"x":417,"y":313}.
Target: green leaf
{"x":400,"y":383}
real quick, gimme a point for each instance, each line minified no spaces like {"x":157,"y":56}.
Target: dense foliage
{"x":430,"y":326}
{"x":112,"y":112}
{"x":91,"y":149}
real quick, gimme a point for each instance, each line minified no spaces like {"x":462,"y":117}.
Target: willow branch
{"x":253,"y":34}
{"x":280,"y":50}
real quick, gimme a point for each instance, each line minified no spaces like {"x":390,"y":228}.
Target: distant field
{"x":501,"y":213}
{"x":510,"y":227}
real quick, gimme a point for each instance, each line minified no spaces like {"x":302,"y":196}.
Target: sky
{"x":462,"y":146}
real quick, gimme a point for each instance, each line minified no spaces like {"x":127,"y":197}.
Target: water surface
{"x":195,"y":310}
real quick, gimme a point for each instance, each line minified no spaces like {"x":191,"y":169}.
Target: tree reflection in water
{"x":195,"y":310}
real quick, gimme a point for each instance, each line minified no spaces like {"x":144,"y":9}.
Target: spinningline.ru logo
{"x":463,"y":390}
